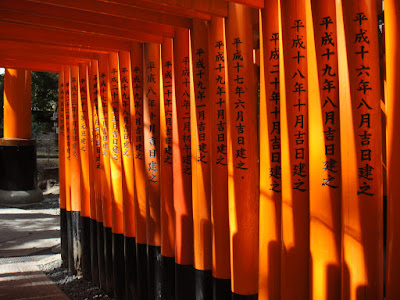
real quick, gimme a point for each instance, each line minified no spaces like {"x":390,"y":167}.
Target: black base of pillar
{"x":101,"y":256}
{"x":184,"y":282}
{"x":154,"y":272}
{"x":76,"y":241}
{"x":168,"y":278}
{"x":86,"y":252}
{"x":93,"y":252}
{"x":141,"y":264}
{"x":64,"y":237}
{"x":222,"y":289}
{"x":118,"y":265}
{"x":203,"y":284}
{"x":130,"y":267}
{"x":108,"y":260}
{"x":244,"y":297}
{"x":71,"y":266}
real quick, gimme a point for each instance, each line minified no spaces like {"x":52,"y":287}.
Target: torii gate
{"x":218,"y":149}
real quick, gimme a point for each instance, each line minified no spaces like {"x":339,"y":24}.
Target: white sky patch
{"x":1,"y":70}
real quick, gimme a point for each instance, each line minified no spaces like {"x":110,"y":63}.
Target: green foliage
{"x":44,"y":91}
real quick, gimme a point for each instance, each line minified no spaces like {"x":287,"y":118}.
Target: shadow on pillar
{"x":18,"y":172}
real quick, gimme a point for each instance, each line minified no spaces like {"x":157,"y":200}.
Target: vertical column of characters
{"x":105,"y":98}
{"x":295,"y":178}
{"x":61,"y":168}
{"x":116,"y":177}
{"x":115,"y":145}
{"x":167,"y":200}
{"x":202,"y":166}
{"x":85,"y":164}
{"x":128,"y":178}
{"x":243,"y":182}
{"x":363,"y":207}
{"x":67,"y":143}
{"x":90,"y":138}
{"x":140,"y":171}
{"x":219,"y":161}
{"x":325,"y":157}
{"x":98,"y":167}
{"x":392,"y":31}
{"x":76,"y":180}
{"x":151,"y":117}
{"x":166,"y":174}
{"x":84,"y":144}
{"x":270,"y":158}
{"x":182,"y":183}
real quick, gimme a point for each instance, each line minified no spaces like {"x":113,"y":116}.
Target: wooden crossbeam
{"x":67,"y":14}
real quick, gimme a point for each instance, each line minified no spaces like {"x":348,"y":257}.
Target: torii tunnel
{"x":213,"y":149}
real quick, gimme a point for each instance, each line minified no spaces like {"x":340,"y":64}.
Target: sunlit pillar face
{"x":17,"y":104}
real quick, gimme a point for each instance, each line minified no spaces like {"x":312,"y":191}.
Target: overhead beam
{"x":252,"y":3}
{"x":87,"y":17}
{"x":113,"y":9}
{"x":74,"y":26}
{"x":30,"y":65}
{"x":20,"y":32}
{"x":47,"y":59}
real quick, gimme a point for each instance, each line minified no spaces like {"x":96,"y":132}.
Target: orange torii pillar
{"x":61,"y":168}
{"x":166,"y":176}
{"x":140,"y":171}
{"x":116,"y":178}
{"x":104,"y":115}
{"x":243,"y":169}
{"x":75,"y":171}
{"x":325,"y":156}
{"x":18,"y":151}
{"x":85,"y":165}
{"x":128,"y":178}
{"x":392,"y":30}
{"x":219,"y":161}
{"x":362,"y":203}
{"x":294,"y":147}
{"x":94,"y":87}
{"x":151,"y":127}
{"x":270,"y":152}
{"x":182,"y":182}
{"x":67,"y":149}
{"x":201,"y":167}
{"x":90,"y":140}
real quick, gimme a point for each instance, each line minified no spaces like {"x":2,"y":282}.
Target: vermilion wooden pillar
{"x":91,"y":140}
{"x":18,"y":151}
{"x":221,"y":270}
{"x":140,"y":173}
{"x":295,"y":152}
{"x":243,"y":169}
{"x":75,"y":170}
{"x":362,"y":166}
{"x":325,"y":156}
{"x":105,"y":98}
{"x":61,"y":169}
{"x":85,"y":165}
{"x":182,"y":160}
{"x":201,"y":168}
{"x":128,"y":178}
{"x":67,"y":148}
{"x":116,"y":177}
{"x":17,"y":104}
{"x":166,"y":175}
{"x":151,"y":122}
{"x":392,"y":30}
{"x":270,"y":152}
{"x":98,"y":168}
